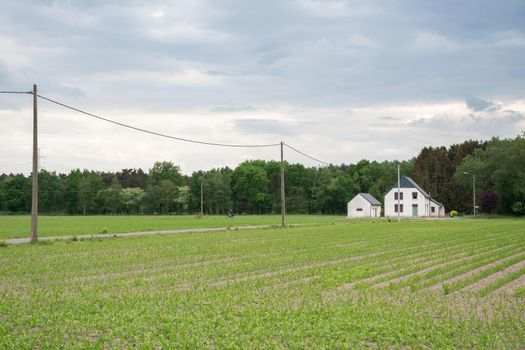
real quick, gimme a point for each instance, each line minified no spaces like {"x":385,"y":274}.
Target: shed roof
{"x":371,"y":199}
{"x":438,"y":203}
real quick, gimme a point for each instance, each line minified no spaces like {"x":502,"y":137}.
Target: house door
{"x":414,"y":209}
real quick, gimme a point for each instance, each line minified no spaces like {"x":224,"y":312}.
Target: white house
{"x":413,"y":201}
{"x":364,"y":205}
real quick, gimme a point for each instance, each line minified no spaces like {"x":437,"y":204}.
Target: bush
{"x":518,"y":208}
{"x":453,"y":213}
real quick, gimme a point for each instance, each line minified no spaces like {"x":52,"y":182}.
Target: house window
{"x":359,"y":209}
{"x":395,"y":208}
{"x":400,"y":196}
{"x":414,"y":195}
{"x":433,"y":209}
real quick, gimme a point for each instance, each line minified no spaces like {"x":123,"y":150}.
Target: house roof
{"x":371,"y":199}
{"x":435,"y":201}
{"x":407,"y":182}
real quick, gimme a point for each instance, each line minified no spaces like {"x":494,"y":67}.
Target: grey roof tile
{"x":371,"y":199}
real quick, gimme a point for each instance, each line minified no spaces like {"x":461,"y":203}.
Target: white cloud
{"x":187,"y":77}
{"x":429,"y":41}
{"x":189,"y":33}
{"x":158,"y":14}
{"x":336,"y":8}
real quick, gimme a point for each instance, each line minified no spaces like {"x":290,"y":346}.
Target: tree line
{"x":253,"y":187}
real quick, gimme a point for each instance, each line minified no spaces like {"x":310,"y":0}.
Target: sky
{"x":339,"y":80}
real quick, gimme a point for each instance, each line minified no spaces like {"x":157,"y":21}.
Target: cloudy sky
{"x":341,"y":80}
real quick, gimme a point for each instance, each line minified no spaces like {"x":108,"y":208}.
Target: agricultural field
{"x":20,"y":226}
{"x":375,"y":284}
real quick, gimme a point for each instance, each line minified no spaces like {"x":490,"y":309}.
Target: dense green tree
{"x":254,"y":186}
{"x":51,"y":192}
{"x":181,"y":200}
{"x":131,"y":199}
{"x":71,"y":185}
{"x":165,"y":171}
{"x":15,"y":193}
{"x":111,"y":199}
{"x":250,"y":187}
{"x":335,"y":188}
{"x":298,"y":184}
{"x":499,"y":167}
{"x":89,"y":186}
{"x":132,"y":178}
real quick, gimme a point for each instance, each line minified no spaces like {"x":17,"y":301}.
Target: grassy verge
{"x":20,"y":226}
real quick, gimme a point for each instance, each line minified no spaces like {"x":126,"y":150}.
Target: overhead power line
{"x":306,"y":155}
{"x":158,"y":133}
{"x":165,"y":135}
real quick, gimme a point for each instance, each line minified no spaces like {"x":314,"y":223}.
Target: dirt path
{"x":146,"y":233}
{"x":494,"y":277}
{"x":472,"y":272}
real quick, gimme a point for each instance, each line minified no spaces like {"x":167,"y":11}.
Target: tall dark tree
{"x":132,"y":178}
{"x":489,"y":201}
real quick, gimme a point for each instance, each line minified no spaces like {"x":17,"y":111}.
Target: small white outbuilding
{"x":364,"y":205}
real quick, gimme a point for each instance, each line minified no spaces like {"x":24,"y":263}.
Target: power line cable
{"x":16,"y":92}
{"x":165,"y":135}
{"x":306,"y":155}
{"x":158,"y":133}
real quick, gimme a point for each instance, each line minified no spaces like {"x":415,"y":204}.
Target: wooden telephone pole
{"x":202,"y":200}
{"x":34,"y":202}
{"x":283,"y":200}
{"x":398,"y":194}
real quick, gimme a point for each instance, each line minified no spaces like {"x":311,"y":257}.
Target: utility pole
{"x":34,"y":202}
{"x":398,"y":194}
{"x":283,"y":201}
{"x":474,"y":194}
{"x":202,"y":200}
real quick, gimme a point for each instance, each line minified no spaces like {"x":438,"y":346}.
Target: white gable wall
{"x":367,"y":209}
{"x":407,"y":202}
{"x":424,"y":204}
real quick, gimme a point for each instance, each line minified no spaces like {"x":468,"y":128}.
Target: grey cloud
{"x":388,"y":118}
{"x":306,"y":55}
{"x":484,"y":125}
{"x":232,"y":108}
{"x":478,"y":104}
{"x":314,"y":60}
{"x":264,"y":126}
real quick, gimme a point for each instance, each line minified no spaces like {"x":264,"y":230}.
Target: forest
{"x":253,"y":187}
